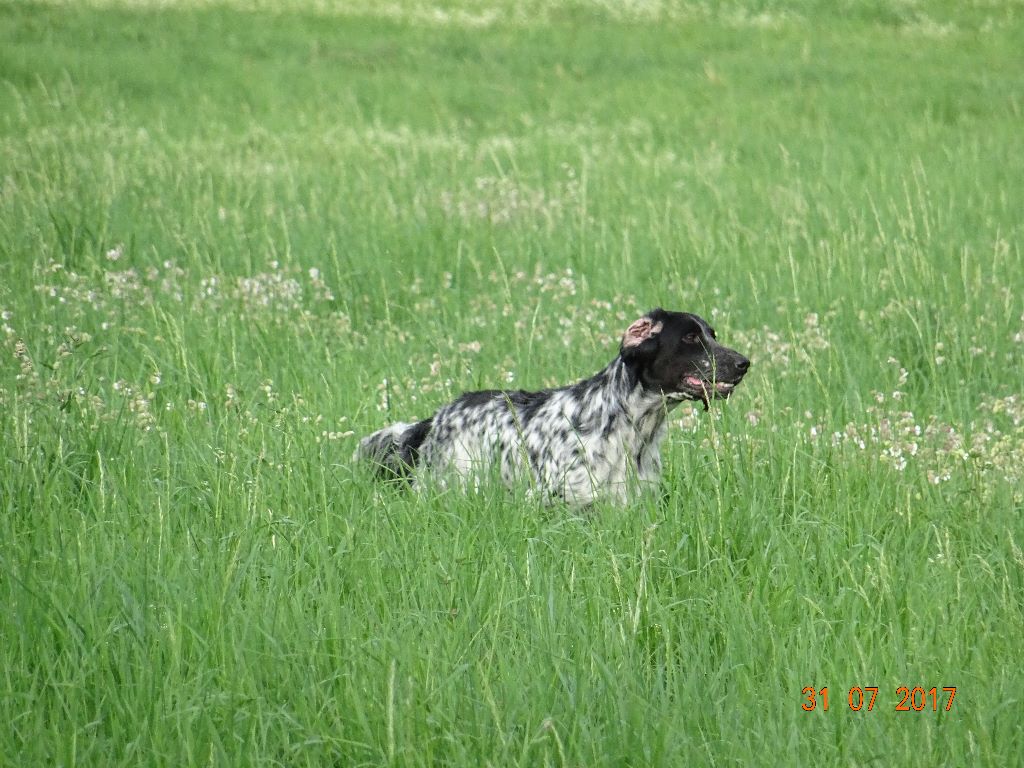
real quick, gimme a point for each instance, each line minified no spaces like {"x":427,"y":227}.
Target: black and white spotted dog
{"x":588,"y":440}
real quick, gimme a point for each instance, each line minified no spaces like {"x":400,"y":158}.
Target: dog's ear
{"x":640,"y":331}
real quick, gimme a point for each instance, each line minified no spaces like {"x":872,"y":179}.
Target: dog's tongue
{"x":699,"y":386}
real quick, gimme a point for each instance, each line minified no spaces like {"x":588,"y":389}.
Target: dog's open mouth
{"x":704,"y":390}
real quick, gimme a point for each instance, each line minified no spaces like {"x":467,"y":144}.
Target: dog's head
{"x":677,"y":354}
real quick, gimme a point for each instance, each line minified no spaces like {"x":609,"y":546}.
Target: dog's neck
{"x":618,"y":399}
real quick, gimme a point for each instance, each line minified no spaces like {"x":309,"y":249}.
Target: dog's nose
{"x":742,"y":364}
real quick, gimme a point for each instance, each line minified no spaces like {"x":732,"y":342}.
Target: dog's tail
{"x":394,"y":450}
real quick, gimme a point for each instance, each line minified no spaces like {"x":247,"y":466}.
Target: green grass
{"x":232,"y":242}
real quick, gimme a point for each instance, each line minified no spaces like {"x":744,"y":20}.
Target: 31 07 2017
{"x":865,"y":698}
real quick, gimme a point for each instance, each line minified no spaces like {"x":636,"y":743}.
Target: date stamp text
{"x":864,"y":698}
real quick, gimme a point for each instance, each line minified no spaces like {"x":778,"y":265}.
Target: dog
{"x":598,"y":438}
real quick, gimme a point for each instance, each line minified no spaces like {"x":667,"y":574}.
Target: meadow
{"x":235,"y":236}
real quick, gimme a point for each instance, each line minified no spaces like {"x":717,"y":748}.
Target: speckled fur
{"x":599,"y":437}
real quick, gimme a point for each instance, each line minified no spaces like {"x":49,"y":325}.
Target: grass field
{"x":236,"y":236}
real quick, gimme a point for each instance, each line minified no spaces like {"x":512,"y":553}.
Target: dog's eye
{"x":692,"y":338}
